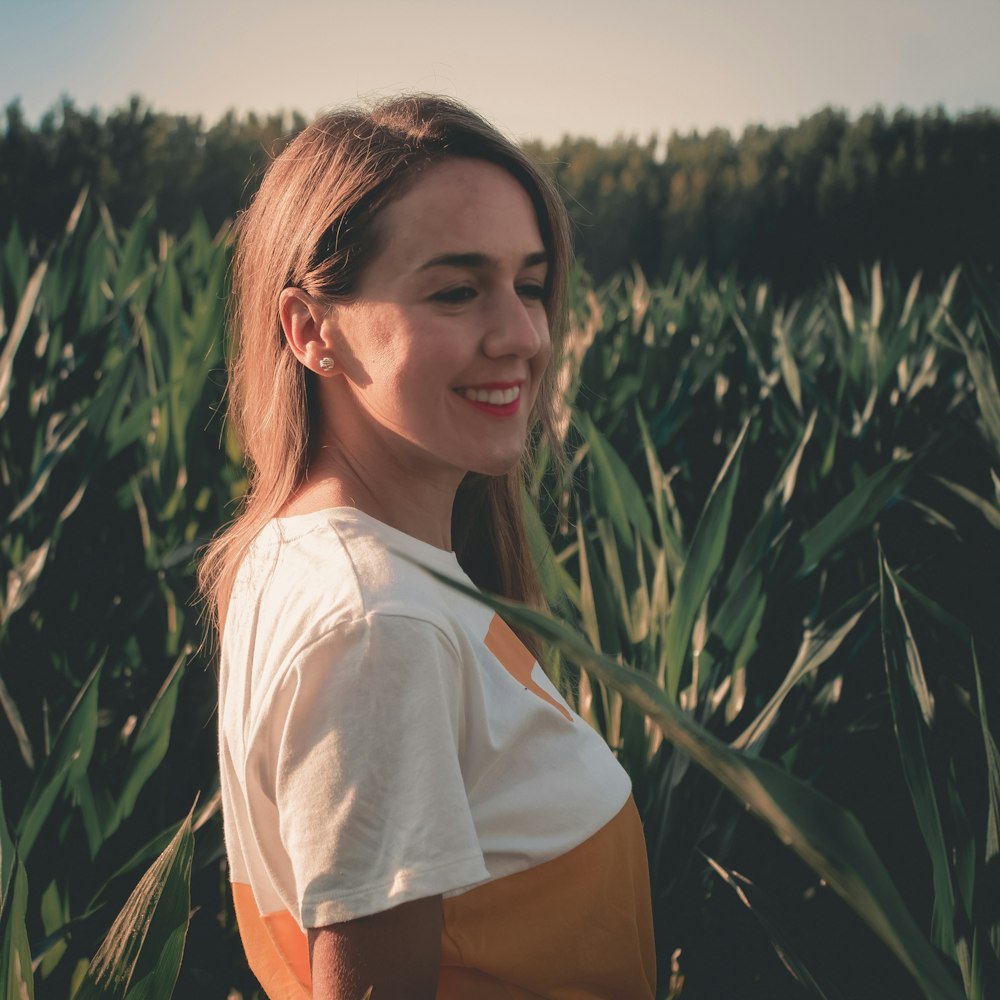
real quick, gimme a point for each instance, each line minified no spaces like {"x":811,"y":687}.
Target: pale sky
{"x":537,"y":69}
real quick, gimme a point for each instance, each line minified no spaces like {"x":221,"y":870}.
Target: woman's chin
{"x":496,"y":465}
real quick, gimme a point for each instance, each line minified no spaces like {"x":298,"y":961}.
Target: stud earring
{"x":327,"y":364}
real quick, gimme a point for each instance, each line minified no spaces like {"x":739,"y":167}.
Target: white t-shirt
{"x":384,"y":737}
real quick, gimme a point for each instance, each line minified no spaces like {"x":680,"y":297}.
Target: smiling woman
{"x":439,"y":356}
{"x":409,"y":802}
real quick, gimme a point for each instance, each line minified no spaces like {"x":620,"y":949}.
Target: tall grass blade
{"x":13,"y":714}
{"x":786,"y":359}
{"x":68,"y":760}
{"x":911,"y":655}
{"x":818,"y":645}
{"x":16,"y":334}
{"x":16,"y":978}
{"x":21,"y":581}
{"x":703,"y":559}
{"x":846,"y":302}
{"x":784,"y":938}
{"x":984,"y":378}
{"x":991,"y":856}
{"x":619,"y":494}
{"x":141,"y":955}
{"x":987,"y":508}
{"x":908,"y":713}
{"x":151,"y":741}
{"x":854,"y":512}
{"x":658,"y":496}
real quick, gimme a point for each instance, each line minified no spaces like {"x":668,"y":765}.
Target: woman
{"x":409,"y":803}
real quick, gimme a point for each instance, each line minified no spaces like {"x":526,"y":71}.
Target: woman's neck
{"x":410,"y":503}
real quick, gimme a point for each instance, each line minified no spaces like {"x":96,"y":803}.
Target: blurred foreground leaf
{"x":141,"y":955}
{"x":826,"y":836}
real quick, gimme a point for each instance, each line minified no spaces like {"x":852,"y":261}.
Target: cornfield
{"x":776,"y":559}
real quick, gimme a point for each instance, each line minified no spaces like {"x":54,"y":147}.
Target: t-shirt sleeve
{"x":372,"y":806}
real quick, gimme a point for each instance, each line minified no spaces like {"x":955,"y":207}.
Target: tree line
{"x":787,"y":203}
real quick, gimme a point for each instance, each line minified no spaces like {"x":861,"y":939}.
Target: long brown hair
{"x":313,"y":225}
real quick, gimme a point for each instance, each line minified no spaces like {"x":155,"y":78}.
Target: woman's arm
{"x":398,"y":952}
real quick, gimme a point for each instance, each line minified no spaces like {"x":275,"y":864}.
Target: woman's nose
{"x":515,"y":327}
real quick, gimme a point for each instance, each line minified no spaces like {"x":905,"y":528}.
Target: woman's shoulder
{"x":337,"y":565}
{"x":322,"y":588}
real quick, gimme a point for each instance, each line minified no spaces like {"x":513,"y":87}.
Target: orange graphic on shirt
{"x":516,"y":660}
{"x":276,"y":947}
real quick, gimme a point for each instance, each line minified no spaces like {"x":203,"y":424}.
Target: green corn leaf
{"x":704,"y":557}
{"x":54,"y":911}
{"x":911,"y":655}
{"x":141,"y":955}
{"x":105,"y":409}
{"x":587,"y":605}
{"x":557,"y":584}
{"x":908,"y":698}
{"x":854,"y":512}
{"x":618,"y":588}
{"x":96,"y":805}
{"x":16,"y":976}
{"x":786,"y":359}
{"x":130,"y":263}
{"x":598,"y":607}
{"x":69,"y":759}
{"x":987,"y":508}
{"x":733,"y":621}
{"x":945,"y":618}
{"x":977,"y":987}
{"x":747,"y":647}
{"x":154,"y":847}
{"x":790,"y":473}
{"x":151,"y":742}
{"x":984,"y":378}
{"x":16,"y":333}
{"x":911,"y":298}
{"x":658,"y":497}
{"x":818,"y":645}
{"x":991,"y":857}
{"x":619,"y":494}
{"x":136,"y":424}
{"x":738,"y":617}
{"x":830,"y":452}
{"x":58,"y":448}
{"x":7,"y":859}
{"x":13,"y":714}
{"x":785,"y":939}
{"x":878,"y":299}
{"x":15,"y":262}
{"x":826,"y":836}
{"x":846,"y":303}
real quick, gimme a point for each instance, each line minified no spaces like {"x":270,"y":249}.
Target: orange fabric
{"x":276,"y":948}
{"x":516,"y":660}
{"x":578,"y":927}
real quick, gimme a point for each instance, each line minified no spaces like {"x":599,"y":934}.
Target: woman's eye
{"x":532,"y":291}
{"x":454,"y":296}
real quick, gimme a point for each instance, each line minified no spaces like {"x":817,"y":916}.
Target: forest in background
{"x":788,"y":203}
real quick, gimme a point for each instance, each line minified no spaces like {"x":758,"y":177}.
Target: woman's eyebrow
{"x":480,"y":260}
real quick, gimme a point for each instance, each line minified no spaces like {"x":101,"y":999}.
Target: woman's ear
{"x":307,"y":324}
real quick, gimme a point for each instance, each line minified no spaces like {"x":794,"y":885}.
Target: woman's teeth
{"x":495,"y":397}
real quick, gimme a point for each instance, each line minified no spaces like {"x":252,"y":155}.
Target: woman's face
{"x":444,"y":347}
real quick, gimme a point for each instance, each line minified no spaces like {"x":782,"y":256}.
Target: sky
{"x":537,"y":69}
